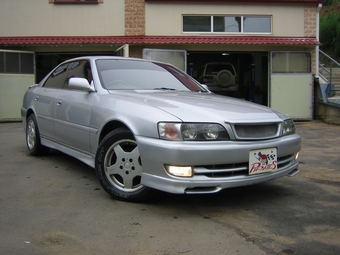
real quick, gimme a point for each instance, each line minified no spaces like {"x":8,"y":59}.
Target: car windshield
{"x":118,"y":74}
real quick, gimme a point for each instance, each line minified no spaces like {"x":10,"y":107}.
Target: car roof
{"x":107,"y":57}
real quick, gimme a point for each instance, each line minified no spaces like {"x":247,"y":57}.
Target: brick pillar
{"x":134,"y":17}
{"x":310,"y":29}
{"x":310,"y":20}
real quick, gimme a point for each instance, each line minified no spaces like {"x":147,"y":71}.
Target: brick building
{"x":272,"y":44}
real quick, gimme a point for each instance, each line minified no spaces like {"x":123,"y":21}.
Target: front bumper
{"x":217,"y":165}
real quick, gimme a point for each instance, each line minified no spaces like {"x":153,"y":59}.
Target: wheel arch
{"x":110,"y":126}
{"x":28,"y":112}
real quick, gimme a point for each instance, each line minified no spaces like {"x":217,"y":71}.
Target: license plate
{"x":261,"y":161}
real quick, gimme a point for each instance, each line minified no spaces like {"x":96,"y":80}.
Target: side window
{"x":58,"y":78}
{"x":81,"y":69}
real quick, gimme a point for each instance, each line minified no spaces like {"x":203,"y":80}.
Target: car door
{"x":73,"y":112}
{"x":44,"y":101}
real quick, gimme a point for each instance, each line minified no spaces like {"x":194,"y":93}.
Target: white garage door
{"x":291,"y":84}
{"x":17,"y":73}
{"x":177,"y":58}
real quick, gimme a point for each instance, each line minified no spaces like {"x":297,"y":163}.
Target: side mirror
{"x":80,"y":84}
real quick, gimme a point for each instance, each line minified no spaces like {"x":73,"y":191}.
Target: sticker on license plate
{"x":261,"y":161}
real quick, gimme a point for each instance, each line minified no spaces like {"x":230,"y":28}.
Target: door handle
{"x":36,"y":98}
{"x":59,"y":103}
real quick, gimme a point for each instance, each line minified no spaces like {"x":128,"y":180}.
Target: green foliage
{"x":330,"y":32}
{"x":336,"y":40}
{"x":329,"y":2}
{"x":328,"y":29}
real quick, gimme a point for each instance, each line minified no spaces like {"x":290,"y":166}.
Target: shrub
{"x":329,"y":2}
{"x":330,"y":32}
{"x":336,"y":40}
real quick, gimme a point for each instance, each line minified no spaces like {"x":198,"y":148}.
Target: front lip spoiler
{"x":202,"y":190}
{"x":294,"y":172}
{"x":215,"y":189}
{"x":213,"y":185}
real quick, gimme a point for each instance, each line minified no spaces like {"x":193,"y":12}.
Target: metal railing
{"x":329,"y":71}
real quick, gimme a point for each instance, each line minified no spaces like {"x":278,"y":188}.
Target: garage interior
{"x":251,"y":69}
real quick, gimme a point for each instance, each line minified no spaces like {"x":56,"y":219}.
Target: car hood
{"x":204,"y":107}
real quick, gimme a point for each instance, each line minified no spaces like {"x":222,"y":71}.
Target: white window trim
{"x":230,"y":33}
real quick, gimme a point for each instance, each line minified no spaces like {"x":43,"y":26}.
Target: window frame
{"x":212,"y":28}
{"x":17,"y":62}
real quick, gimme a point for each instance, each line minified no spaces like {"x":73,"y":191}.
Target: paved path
{"x":54,"y":205}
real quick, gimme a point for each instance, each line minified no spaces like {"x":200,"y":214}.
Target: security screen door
{"x":291,"y":84}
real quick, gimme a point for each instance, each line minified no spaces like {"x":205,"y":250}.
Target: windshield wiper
{"x":165,"y":89}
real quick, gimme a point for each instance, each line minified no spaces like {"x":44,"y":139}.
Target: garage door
{"x":16,"y":75}
{"x":177,"y":58}
{"x":291,"y":84}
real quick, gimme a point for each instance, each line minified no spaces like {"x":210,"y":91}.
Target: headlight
{"x":192,"y":131}
{"x":189,"y":131}
{"x":288,"y":127}
{"x":211,"y":131}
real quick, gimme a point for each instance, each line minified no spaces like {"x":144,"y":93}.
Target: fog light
{"x":296,"y":155}
{"x":181,"y":171}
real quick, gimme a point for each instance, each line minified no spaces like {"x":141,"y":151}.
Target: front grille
{"x":239,"y":169}
{"x":253,"y":131}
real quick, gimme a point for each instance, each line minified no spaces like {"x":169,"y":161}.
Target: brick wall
{"x":134,"y":17}
{"x":310,"y":29}
{"x":310,"y":20}
{"x":135,"y":51}
{"x":314,"y":51}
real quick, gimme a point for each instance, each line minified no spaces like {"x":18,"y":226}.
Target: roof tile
{"x":69,"y":40}
{"x":244,"y":1}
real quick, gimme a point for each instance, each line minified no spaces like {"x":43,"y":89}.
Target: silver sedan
{"x":146,"y":126}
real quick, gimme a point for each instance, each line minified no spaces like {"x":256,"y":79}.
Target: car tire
{"x":119,"y":168}
{"x":33,"y":141}
{"x":224,"y":78}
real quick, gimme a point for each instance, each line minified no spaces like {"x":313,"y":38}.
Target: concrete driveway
{"x":55,"y":205}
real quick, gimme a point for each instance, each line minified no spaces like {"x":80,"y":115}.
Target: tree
{"x":330,"y":33}
{"x":329,"y":2}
